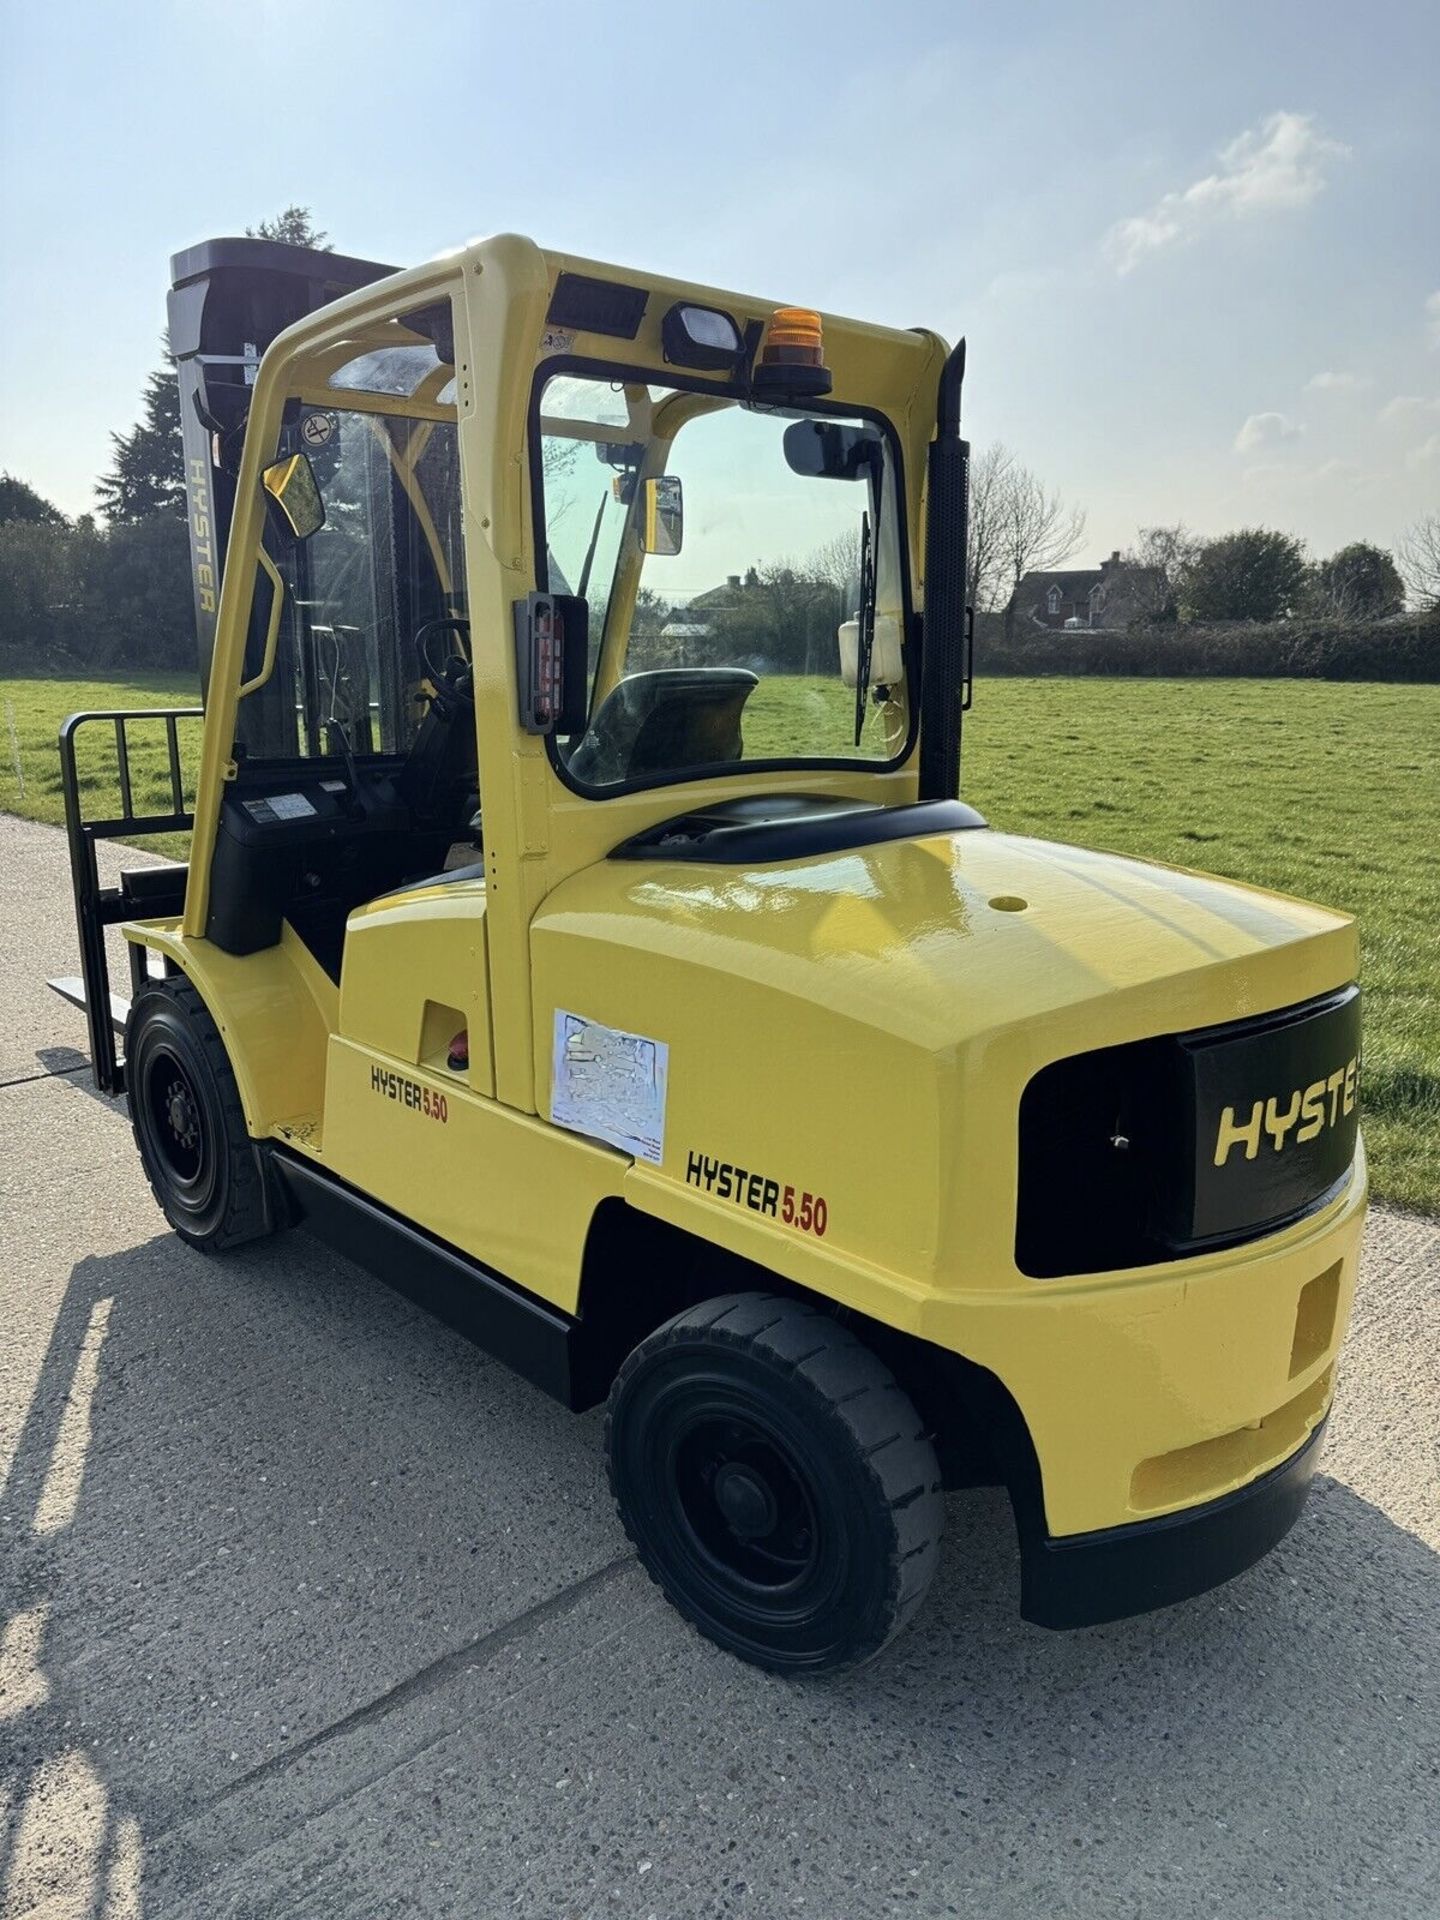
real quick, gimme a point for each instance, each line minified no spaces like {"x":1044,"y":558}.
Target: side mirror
{"x":291,"y":485}
{"x":662,"y":524}
{"x":832,"y":449}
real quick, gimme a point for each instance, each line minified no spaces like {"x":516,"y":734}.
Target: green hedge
{"x":1403,"y":648}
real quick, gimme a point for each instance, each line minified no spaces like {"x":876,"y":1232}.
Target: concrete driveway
{"x":312,"y":1609}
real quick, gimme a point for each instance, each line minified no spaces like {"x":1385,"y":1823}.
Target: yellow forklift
{"x":583,"y":931}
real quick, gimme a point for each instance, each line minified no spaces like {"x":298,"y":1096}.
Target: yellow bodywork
{"x":857,"y":1027}
{"x":850,"y":1025}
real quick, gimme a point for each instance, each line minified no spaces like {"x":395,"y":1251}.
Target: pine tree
{"x":147,"y":473}
{"x":296,"y":227}
{"x":20,"y":502}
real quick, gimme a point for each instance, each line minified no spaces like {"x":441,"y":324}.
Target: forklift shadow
{"x":253,"y":1498}
{"x":249,"y":1495}
{"x":1240,"y":1702}
{"x":69,"y":1068}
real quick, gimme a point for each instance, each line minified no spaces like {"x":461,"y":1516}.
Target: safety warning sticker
{"x":609,"y":1084}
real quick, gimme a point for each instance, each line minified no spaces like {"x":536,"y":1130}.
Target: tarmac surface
{"x":312,"y":1609}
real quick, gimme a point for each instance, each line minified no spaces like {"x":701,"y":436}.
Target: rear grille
{"x":1166,"y":1148}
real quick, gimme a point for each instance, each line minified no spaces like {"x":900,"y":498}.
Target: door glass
{"x":388,"y":560}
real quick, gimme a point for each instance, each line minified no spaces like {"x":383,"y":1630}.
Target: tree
{"x":1037,"y":531}
{"x":37,"y":587}
{"x":836,"y":563}
{"x":991,"y":471}
{"x":1254,"y":574}
{"x":53,"y":600}
{"x":1419,"y":553}
{"x":784,"y":615}
{"x":1155,"y":569}
{"x":295,"y":227}
{"x":144,"y":613}
{"x":647,"y":650}
{"x":147,"y":471}
{"x":20,"y":502}
{"x":651,"y":612}
{"x":1360,"y":582}
{"x":1016,"y":525}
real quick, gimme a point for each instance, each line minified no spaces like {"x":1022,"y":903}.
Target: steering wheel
{"x":425,"y":633}
{"x":439,"y":769}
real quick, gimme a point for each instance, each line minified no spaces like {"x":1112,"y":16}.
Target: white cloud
{"x":1277,"y":165}
{"x":1266,"y":430}
{"x":1408,"y":406}
{"x":1427,"y":454}
{"x":1432,"y":319}
{"x":1338,"y":382}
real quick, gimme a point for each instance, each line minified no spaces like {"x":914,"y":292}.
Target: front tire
{"x":203,"y":1167}
{"x":778,"y":1484}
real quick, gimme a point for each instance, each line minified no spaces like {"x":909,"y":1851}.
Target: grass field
{"x":30,"y":715}
{"x":1327,"y":790}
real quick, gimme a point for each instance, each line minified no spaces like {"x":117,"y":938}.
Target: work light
{"x":701,"y":337}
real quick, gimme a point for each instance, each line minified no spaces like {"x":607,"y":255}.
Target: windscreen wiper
{"x":583,"y":588}
{"x":865,"y":646}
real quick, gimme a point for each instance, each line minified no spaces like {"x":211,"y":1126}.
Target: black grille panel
{"x":1170,"y":1147}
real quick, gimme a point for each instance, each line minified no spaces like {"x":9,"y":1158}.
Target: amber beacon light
{"x":792,"y":358}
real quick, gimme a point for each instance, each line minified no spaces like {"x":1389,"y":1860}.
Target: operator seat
{"x":664,"y":722}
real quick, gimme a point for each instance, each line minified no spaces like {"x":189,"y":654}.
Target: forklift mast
{"x":229,"y":299}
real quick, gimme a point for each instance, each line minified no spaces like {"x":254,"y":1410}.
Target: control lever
{"x":353,"y":804}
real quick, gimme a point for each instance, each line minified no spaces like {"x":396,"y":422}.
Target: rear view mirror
{"x":662,"y":526}
{"x":832,"y":449}
{"x":291,"y":485}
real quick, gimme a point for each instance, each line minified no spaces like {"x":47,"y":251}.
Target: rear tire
{"x":203,"y":1167}
{"x":778,"y":1484}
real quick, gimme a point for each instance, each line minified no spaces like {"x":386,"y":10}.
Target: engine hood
{"x":945,"y":939}
{"x":862,"y":1025}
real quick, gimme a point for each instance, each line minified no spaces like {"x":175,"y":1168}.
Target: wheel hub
{"x":181,"y":1114}
{"x":742,"y":1501}
{"x":747,"y":1504}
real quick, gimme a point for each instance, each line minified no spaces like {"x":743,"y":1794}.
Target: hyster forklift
{"x":583,"y":931}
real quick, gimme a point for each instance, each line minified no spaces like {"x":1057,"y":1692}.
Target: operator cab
{"x":355,"y":739}
{"x":692,"y":543}
{"x":732,"y":648}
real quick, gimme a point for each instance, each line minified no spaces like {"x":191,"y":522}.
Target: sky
{"x":1195,"y":248}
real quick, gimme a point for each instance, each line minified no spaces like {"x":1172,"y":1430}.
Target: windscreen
{"x":742,"y":571}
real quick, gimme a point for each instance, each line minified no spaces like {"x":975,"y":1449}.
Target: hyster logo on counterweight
{"x":1307,"y":1111}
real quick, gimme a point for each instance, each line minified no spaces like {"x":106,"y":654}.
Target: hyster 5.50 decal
{"x":806,"y":1212}
{"x":410,"y":1093}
